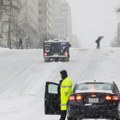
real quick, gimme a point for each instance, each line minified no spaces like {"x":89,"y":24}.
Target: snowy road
{"x":23,"y":74}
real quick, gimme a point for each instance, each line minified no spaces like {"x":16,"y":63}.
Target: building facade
{"x":34,"y":21}
{"x":54,"y":20}
{"x":44,"y":21}
{"x":19,"y":20}
{"x":9,"y":22}
{"x":28,"y":22}
{"x":62,"y":20}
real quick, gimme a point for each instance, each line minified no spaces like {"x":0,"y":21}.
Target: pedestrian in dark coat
{"x":20,"y":43}
{"x":98,"y":41}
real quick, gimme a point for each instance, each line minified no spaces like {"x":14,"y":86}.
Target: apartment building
{"x":28,"y":22}
{"x":62,"y":19}
{"x":44,"y":21}
{"x":9,"y":21}
{"x":19,"y":20}
{"x":54,"y":20}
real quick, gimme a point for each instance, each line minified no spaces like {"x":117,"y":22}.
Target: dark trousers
{"x":20,"y":46}
{"x":98,"y":46}
{"x":63,"y":115}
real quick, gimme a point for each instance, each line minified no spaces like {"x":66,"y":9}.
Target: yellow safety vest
{"x":65,"y":92}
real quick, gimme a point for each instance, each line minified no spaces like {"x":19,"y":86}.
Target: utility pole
{"x":9,"y":26}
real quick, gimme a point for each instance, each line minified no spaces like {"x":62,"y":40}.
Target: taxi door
{"x":51,"y":99}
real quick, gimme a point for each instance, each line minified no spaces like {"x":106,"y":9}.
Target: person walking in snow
{"x":20,"y":43}
{"x":98,"y":41}
{"x":64,"y":90}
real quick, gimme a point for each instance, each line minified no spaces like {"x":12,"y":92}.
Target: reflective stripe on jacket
{"x":65,"y":91}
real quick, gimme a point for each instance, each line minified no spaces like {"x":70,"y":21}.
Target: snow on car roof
{"x":57,"y":40}
{"x":100,"y":91}
{"x":94,"y":81}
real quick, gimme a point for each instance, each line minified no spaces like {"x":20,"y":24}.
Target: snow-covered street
{"x":23,"y":74}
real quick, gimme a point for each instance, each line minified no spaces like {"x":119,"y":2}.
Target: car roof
{"x":56,"y":41}
{"x":94,"y":81}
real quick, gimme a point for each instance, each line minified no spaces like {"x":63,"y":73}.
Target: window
{"x":95,"y":86}
{"x":52,"y":88}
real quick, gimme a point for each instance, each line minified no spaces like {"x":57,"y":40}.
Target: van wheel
{"x":47,"y":60}
{"x":66,"y":59}
{"x":56,"y":60}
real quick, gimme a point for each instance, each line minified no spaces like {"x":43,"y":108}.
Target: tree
{"x":9,"y":12}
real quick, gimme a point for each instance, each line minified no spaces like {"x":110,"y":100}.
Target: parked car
{"x":89,"y":100}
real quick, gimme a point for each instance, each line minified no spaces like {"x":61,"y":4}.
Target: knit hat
{"x":64,"y":74}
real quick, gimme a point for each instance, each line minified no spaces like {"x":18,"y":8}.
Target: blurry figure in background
{"x":27,"y":42}
{"x":20,"y":44}
{"x":1,"y":38}
{"x":98,"y":41}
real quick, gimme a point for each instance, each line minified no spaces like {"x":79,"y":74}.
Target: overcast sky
{"x":91,"y":18}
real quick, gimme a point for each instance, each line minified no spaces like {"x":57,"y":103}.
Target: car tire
{"x":47,"y":60}
{"x":56,"y":60}
{"x":65,"y":59}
